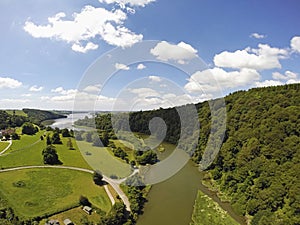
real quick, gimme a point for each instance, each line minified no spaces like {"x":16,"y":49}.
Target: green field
{"x":28,"y":152}
{"x":206,"y":211}
{"x":3,"y":145}
{"x":37,"y":192}
{"x":18,"y":112}
{"x":75,"y":215}
{"x":101,"y":159}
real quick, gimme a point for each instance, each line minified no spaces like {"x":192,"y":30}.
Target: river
{"x":171,"y":202}
{"x":68,"y":122}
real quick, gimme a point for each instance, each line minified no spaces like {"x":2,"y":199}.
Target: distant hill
{"x":16,"y":118}
{"x":37,"y":116}
{"x":259,"y":161}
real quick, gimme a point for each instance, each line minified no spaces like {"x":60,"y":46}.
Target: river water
{"x":171,"y":202}
{"x":68,"y":122}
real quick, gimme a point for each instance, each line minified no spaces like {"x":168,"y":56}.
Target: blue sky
{"x":47,"y":48}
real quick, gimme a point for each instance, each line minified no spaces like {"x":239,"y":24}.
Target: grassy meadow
{"x":101,"y":159}
{"x":206,"y":211}
{"x":36,"y":192}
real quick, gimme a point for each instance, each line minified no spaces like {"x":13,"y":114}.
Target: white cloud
{"x":295,"y":43}
{"x":265,"y":57}
{"x":92,"y":88}
{"x":287,"y":76}
{"x":123,"y":3}
{"x":36,"y":88}
{"x":6,"y":82}
{"x":144,"y":92}
{"x":207,"y":81}
{"x":180,"y":53}
{"x":120,"y":66}
{"x":87,"y":25}
{"x":155,"y":78}
{"x":268,"y":83}
{"x":79,"y":48}
{"x":141,"y":66}
{"x":257,"y":36}
{"x":58,"y":90}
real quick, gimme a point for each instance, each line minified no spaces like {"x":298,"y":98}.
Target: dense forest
{"x":37,"y":116}
{"x":258,"y":165}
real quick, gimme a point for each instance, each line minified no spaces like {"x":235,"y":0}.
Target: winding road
{"x":114,"y":183}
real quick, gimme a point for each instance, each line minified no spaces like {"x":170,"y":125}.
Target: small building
{"x":52,"y":222}
{"x":68,"y":222}
{"x":87,"y":209}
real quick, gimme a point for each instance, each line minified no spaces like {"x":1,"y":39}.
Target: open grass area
{"x":206,"y":211}
{"x":37,"y":192}
{"x":18,"y":112}
{"x":101,"y":159}
{"x":3,"y":145}
{"x":26,"y":141}
{"x":76,"y":215}
{"x":28,"y":152}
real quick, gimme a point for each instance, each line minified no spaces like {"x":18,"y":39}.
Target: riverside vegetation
{"x":257,"y":166}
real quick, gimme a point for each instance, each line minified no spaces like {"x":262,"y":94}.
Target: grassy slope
{"x":28,"y":151}
{"x":47,"y":191}
{"x":3,"y":145}
{"x":206,"y":211}
{"x":18,"y":112}
{"x":100,"y":159}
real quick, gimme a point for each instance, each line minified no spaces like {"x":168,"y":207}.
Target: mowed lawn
{"x":28,"y":152}
{"x":3,"y":145}
{"x":206,"y":211}
{"x":76,"y":215}
{"x":99,"y":158}
{"x":37,"y":192}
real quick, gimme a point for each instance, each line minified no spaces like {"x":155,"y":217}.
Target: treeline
{"x":36,"y":116}
{"x":258,"y":164}
{"x":7,"y":120}
{"x":33,"y":115}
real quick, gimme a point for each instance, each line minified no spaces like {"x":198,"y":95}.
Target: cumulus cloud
{"x":6,"y":82}
{"x":268,"y":83}
{"x":155,"y":78}
{"x":35,"y":88}
{"x":79,"y":48}
{"x":120,"y":66}
{"x":123,"y":3}
{"x":92,"y":88}
{"x":287,"y":76}
{"x":141,"y":66}
{"x":87,"y":25}
{"x":206,"y":81}
{"x":181,"y":53}
{"x":263,"y":58}
{"x":295,"y":43}
{"x":257,"y":36}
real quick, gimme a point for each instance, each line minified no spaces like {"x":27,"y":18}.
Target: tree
{"x":15,"y":136}
{"x":29,"y":128}
{"x":70,"y":144}
{"x":65,"y":133}
{"x":56,"y":138}
{"x":84,"y":201}
{"x":50,"y":155}
{"x":105,"y":139}
{"x":96,"y":141}
{"x":98,"y":178}
{"x":48,"y":140}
